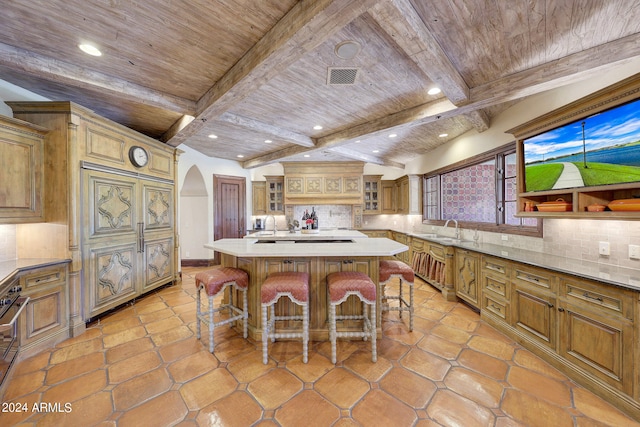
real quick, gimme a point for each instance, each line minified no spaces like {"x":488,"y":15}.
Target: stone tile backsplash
{"x":576,"y":239}
{"x":329,"y":216}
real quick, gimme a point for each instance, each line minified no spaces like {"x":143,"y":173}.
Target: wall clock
{"x":138,"y":156}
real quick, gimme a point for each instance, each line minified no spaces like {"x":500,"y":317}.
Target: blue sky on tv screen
{"x":620,"y":125}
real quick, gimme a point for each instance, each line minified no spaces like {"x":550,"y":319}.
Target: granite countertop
{"x":606,"y":273}
{"x":8,"y":269}
{"x":289,"y":248}
{"x":322,"y":234}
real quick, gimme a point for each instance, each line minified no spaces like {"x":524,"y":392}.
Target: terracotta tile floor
{"x":142,"y":366}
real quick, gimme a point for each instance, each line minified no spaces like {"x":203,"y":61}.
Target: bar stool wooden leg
{"x":214,"y":282}
{"x":295,"y":286}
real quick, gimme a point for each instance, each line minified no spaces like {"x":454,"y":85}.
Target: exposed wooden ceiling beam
{"x":274,"y":157}
{"x":276,"y":131}
{"x":401,"y":21}
{"x":355,"y":155}
{"x":302,"y":29}
{"x":54,"y":70}
{"x":572,"y":68}
{"x":479,"y":119}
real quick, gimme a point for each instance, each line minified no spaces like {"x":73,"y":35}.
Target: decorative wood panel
{"x":105,"y":146}
{"x":112,"y":209}
{"x":111,"y":276}
{"x":158,"y":266}
{"x":158,"y":207}
{"x":21,"y":171}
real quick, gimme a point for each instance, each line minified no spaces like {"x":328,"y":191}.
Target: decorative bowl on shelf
{"x":558,"y":205}
{"x":625,"y":205}
{"x":596,"y":208}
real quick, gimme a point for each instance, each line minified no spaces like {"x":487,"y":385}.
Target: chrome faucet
{"x":275,"y":229}
{"x":455,"y":221}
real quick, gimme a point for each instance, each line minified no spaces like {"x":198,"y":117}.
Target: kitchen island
{"x":309,"y":253}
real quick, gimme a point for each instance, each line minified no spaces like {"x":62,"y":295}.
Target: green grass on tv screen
{"x":544,"y":176}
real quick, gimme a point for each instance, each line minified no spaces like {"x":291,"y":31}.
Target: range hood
{"x":323,"y":183}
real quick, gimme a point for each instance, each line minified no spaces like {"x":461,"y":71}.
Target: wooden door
{"x":229,"y":209}
{"x":127,"y":238}
{"x":110,"y":240}
{"x":157,"y":233}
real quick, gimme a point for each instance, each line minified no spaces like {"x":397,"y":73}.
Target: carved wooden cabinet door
{"x":127,"y":238}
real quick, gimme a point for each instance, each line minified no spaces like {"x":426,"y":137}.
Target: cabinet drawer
{"x":535,"y":277}
{"x":417,"y":245}
{"x":608,"y":300}
{"x":497,"y":286}
{"x":496,"y":306}
{"x":43,"y":277}
{"x":495,"y":265}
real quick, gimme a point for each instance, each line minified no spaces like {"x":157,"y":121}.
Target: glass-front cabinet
{"x":275,"y":195}
{"x":372,"y":187}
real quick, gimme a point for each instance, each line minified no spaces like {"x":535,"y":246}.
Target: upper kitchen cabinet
{"x":259,"y":198}
{"x":388,"y":197}
{"x":21,"y":171}
{"x":409,"y":195}
{"x":582,"y":160}
{"x":323,"y":183}
{"x":372,"y":194}
{"x":275,"y":195}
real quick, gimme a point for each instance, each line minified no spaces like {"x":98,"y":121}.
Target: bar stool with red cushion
{"x":295,"y":286}
{"x":389,"y":271}
{"x":214,"y":282}
{"x":341,"y":286}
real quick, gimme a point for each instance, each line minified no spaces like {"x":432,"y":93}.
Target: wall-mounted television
{"x":601,"y":149}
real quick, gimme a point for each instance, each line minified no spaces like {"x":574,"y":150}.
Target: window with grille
{"x":479,"y":193}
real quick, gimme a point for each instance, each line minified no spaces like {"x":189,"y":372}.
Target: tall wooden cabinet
{"x":119,"y":218}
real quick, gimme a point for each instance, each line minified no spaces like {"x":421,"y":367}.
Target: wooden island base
{"x":318,"y":269}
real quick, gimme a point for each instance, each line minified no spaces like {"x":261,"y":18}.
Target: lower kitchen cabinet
{"x":534,"y":304}
{"x":496,"y":289}
{"x":47,"y":313}
{"x":404,"y":239}
{"x":597,"y":326}
{"x":585,"y":328}
{"x":375,"y":233}
{"x":467,"y":277}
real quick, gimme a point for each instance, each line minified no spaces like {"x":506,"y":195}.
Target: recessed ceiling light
{"x":307,"y":155}
{"x":317,"y":127}
{"x":434,"y":91}
{"x":212,"y":136}
{"x":376,"y":151}
{"x":89,"y":49}
{"x":240,"y":156}
{"x":268,"y":141}
{"x":393,"y":135}
{"x":443,"y":135}
{"x":347,"y":50}
{"x":358,"y":141}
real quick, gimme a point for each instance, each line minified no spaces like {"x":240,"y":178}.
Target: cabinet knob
{"x":561,"y":310}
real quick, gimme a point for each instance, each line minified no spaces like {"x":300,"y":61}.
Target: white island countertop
{"x":322,"y":234}
{"x":294,"y":248}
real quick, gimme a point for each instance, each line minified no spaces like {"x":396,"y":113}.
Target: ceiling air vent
{"x":342,"y":76}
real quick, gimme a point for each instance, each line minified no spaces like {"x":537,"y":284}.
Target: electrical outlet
{"x":604,"y":249}
{"x":186,"y":254}
{"x":634,"y":251}
{"x":505,"y":237}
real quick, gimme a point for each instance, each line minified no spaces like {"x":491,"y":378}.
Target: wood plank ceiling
{"x":250,"y":71}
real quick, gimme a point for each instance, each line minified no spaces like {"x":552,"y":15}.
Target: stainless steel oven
{"x":11,"y":307}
